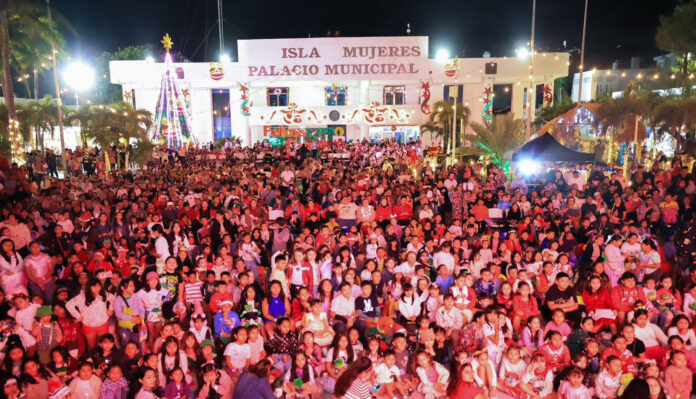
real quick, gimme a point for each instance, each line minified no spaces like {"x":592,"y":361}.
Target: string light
{"x":672,"y":76}
{"x":655,"y":76}
{"x":623,"y":74}
{"x":639,"y":76}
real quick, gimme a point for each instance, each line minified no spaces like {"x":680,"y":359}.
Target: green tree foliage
{"x":41,"y":116}
{"x":496,"y":137}
{"x":546,"y":114}
{"x":105,"y":91}
{"x":677,"y":34}
{"x":440,"y":122}
{"x":26,"y":36}
{"x":675,"y":116}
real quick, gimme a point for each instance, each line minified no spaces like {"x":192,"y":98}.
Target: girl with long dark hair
{"x":35,"y":379}
{"x":354,"y":381}
{"x":171,"y":358}
{"x":93,"y":310}
{"x":339,"y":354}
{"x":299,"y":380}
{"x":462,"y":385}
{"x":143,"y":387}
{"x":11,"y":268}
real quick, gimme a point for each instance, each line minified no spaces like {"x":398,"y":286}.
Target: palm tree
{"x":142,"y":152}
{"x":131,"y":124}
{"x":496,"y":137}
{"x":120,"y":123}
{"x":675,"y":116}
{"x":82,"y":117}
{"x":42,"y":116}
{"x":43,"y":38}
{"x":440,"y":122}
{"x":432,"y":128}
{"x":25,"y":34}
{"x":545,"y":114}
{"x":617,"y":113}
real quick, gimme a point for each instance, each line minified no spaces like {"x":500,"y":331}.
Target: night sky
{"x":617,"y":29}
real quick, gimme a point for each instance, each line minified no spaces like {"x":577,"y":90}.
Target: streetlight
{"x":442,"y":55}
{"x":225,"y":58}
{"x":80,"y":77}
{"x":150,"y":59}
{"x":522,"y":53}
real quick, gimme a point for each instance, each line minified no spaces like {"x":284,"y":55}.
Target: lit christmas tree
{"x":173,"y":117}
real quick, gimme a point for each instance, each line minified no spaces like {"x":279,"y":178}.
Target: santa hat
{"x":85,"y":217}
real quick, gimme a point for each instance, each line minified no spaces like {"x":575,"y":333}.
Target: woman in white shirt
{"x":11,"y":269}
{"x":652,"y":336}
{"x":409,"y":307}
{"x":93,"y":309}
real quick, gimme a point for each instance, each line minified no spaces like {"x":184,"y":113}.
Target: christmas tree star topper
{"x":167,"y":42}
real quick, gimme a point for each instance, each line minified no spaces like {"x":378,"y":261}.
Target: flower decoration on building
{"x":216,"y":70}
{"x":452,"y":68}
{"x":548,"y":95}
{"x":425,"y":97}
{"x":244,"y":107}
{"x":374,"y":113}
{"x":295,"y":115}
{"x":488,"y":102}
{"x":377,"y":113}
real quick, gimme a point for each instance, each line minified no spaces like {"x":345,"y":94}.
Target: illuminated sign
{"x":310,"y":133}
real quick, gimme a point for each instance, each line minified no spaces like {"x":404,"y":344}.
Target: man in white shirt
{"x":287,"y":177}
{"x":451,"y":182}
{"x":444,"y":257}
{"x":343,"y":312}
{"x":19,"y":233}
{"x":408,"y":268}
{"x":161,"y":243}
{"x":575,"y":178}
{"x":450,"y":318}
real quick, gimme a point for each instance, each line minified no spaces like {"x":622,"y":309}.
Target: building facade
{"x":341,"y":88}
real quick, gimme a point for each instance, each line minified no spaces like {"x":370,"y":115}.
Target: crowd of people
{"x":349,"y":270}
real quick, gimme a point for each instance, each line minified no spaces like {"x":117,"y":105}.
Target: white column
{"x":364,"y":101}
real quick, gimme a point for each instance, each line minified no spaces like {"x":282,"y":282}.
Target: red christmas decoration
{"x":425,"y":95}
{"x":216,"y":70}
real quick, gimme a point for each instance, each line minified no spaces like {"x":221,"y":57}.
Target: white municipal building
{"x":353,"y":87}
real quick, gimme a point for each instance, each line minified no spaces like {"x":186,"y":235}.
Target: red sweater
{"x":556,"y":358}
{"x":598,"y":300}
{"x":383,"y":213}
{"x":527,"y":308}
{"x":623,"y":299}
{"x":403,"y":212}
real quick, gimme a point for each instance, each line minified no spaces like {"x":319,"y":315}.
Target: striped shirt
{"x":193,"y":292}
{"x":359,"y":389}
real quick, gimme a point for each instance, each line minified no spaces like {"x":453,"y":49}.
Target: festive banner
{"x":244,"y":107}
{"x":425,"y":97}
{"x":548,"y":95}
{"x":488,"y":102}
